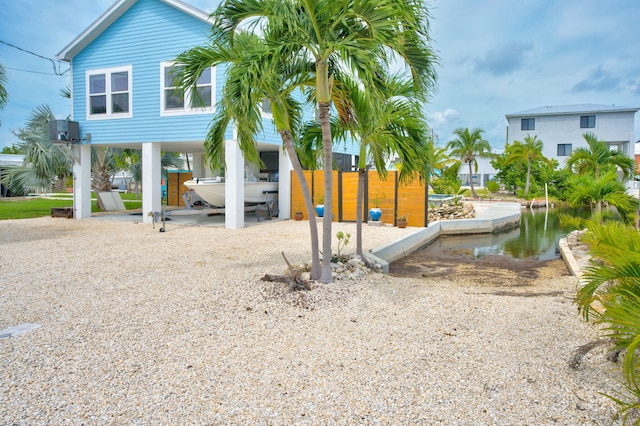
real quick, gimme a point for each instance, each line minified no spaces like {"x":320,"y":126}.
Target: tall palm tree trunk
{"x":359,"y":207}
{"x":323,"y":93}
{"x":325,"y":275}
{"x":473,"y":191}
{"x":287,"y":140}
{"x":528,"y":183}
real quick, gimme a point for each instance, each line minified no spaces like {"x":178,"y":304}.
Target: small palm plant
{"x":613,"y":280}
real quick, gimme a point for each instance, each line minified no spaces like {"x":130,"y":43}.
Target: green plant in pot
{"x":401,"y":221}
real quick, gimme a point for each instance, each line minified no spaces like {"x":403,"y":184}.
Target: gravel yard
{"x":142,"y":327}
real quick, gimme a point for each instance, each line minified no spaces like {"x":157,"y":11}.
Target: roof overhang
{"x":572,"y":110}
{"x":110,"y":16}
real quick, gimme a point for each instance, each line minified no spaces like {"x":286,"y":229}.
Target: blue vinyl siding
{"x":149,"y":33}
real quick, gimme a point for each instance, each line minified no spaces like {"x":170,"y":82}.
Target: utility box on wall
{"x":64,"y":131}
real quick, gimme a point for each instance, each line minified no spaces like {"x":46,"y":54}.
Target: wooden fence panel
{"x":391,"y":198}
{"x":411,"y":202}
{"x":382,"y":194}
{"x":297,"y":200}
{"x":349,"y":192}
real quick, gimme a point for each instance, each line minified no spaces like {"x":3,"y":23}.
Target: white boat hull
{"x":213,"y":192}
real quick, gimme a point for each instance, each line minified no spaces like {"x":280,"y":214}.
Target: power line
{"x":35,"y":72}
{"x":55,"y":70}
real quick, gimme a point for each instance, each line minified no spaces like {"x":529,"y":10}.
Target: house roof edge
{"x":571,"y":110}
{"x":114,"y":12}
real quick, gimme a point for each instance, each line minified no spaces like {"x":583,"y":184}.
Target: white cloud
{"x":441,"y":117}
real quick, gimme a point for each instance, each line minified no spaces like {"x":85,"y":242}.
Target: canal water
{"x":537,"y":237}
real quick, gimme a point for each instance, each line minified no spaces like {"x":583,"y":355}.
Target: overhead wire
{"x":34,"y":72}
{"x":56,"y":65}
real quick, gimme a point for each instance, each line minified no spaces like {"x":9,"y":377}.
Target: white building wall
{"x":611,"y":127}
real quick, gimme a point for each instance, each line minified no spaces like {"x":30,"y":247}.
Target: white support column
{"x":198,"y":165}
{"x":151,"y":180}
{"x":234,"y":186}
{"x":284,"y":185}
{"x":82,"y":181}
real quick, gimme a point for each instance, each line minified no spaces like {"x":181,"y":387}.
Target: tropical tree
{"x":253,"y":75}
{"x":468,"y":146}
{"x":527,"y":152}
{"x":598,"y":158}
{"x":131,"y":160}
{"x":394,"y":127}
{"x":4,"y":96}
{"x":613,"y":280}
{"x":43,"y":161}
{"x":448,"y":180}
{"x":361,"y":37}
{"x":585,"y":190}
{"x":13,"y":149}
{"x":438,"y":160}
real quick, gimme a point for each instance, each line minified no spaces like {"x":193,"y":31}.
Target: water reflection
{"x":537,"y":237}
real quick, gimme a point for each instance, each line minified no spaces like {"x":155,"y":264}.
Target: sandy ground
{"x":176,"y":328}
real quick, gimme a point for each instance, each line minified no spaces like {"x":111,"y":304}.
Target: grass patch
{"x":30,"y":207}
{"x":125,"y":196}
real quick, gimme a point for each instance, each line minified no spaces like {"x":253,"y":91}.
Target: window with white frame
{"x":109,"y":93}
{"x":175,"y":101}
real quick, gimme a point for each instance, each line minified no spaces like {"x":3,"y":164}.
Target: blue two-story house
{"x":122,"y":96}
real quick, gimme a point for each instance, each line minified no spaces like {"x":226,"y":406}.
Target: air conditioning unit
{"x":64,"y":131}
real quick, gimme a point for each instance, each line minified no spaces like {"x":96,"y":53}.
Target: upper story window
{"x":587,"y":121}
{"x":528,"y":124}
{"x":564,"y":149}
{"x":176,"y":101}
{"x":109,"y":93}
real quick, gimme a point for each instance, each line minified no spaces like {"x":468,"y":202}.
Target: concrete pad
{"x":110,"y":201}
{"x":18,"y":329}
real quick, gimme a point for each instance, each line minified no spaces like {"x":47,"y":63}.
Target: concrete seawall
{"x":497,"y":217}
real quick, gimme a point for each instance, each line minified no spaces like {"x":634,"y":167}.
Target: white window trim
{"x":108,"y":71}
{"x":188,"y":110}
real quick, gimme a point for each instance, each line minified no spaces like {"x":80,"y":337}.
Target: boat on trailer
{"x":212,"y":190}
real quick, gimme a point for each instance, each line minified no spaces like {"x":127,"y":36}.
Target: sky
{"x":496,"y":57}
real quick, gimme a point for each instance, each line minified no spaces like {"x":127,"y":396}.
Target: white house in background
{"x":561,"y":128}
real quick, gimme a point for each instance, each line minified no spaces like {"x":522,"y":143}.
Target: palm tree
{"x":438,"y":160}
{"x":598,"y":158}
{"x":468,"y":146}
{"x":131,"y":160}
{"x":394,"y":127}
{"x":528,"y":151}
{"x":252,"y":75}
{"x":614,"y":281}
{"x":43,"y":161}
{"x":337,"y":34}
{"x":4,"y":96}
{"x":584,"y":189}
